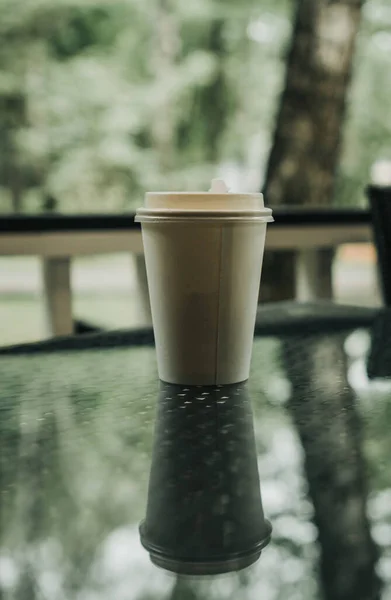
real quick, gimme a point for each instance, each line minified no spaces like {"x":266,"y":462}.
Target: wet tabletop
{"x":86,"y":428}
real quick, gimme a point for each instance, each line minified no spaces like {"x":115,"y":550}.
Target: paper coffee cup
{"x":203,"y":254}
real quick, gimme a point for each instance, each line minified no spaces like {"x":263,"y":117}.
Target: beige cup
{"x":203,"y":255}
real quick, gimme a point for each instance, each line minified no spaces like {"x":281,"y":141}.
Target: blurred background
{"x":101,"y":100}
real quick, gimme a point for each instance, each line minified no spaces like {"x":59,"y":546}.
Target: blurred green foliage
{"x":368,"y":122}
{"x":103,"y":99}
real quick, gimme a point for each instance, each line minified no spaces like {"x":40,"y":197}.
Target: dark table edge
{"x":271,"y":322}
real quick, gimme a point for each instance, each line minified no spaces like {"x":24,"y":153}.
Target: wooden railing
{"x":56,"y":239}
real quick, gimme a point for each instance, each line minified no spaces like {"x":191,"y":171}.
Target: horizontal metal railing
{"x":59,"y":238}
{"x":72,"y":235}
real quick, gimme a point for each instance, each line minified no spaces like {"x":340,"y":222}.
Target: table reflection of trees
{"x":323,"y":408}
{"x":75,"y":443}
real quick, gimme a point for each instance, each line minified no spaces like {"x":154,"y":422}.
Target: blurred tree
{"x":324,"y":410}
{"x":116,"y":97}
{"x":368,"y":123}
{"x":305,"y":151}
{"x":306,"y":144}
{"x":122,"y":97}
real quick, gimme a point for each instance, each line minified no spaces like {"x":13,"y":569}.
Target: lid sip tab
{"x":218,"y":186}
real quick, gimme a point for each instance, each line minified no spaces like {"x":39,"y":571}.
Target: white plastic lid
{"x":213,"y":205}
{"x":217,"y":199}
{"x":204,"y":201}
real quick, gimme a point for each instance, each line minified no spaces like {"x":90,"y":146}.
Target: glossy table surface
{"x":77,"y":421}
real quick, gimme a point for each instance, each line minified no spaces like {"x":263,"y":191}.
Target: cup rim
{"x":197,"y":215}
{"x":212,"y":220}
{"x":222,"y":195}
{"x":212,"y":558}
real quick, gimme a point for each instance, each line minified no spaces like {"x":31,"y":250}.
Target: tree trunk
{"x":323,"y":408}
{"x":167,"y":45}
{"x":214,"y":98}
{"x":306,"y":146}
{"x":12,"y":116}
{"x":212,"y":102}
{"x":15,"y":184}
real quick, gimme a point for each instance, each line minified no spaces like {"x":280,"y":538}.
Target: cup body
{"x":203,"y":278}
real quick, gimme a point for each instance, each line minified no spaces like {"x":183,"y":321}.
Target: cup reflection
{"x":204,"y":510}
